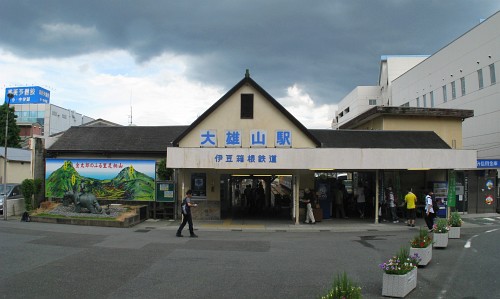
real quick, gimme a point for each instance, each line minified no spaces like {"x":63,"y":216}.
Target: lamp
{"x":10,"y":95}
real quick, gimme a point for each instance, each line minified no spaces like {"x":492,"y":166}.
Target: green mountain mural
{"x":129,"y":184}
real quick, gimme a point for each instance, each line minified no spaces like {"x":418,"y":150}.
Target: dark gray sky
{"x":323,"y":49}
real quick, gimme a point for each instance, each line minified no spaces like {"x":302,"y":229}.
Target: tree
{"x":13,"y":139}
{"x":163,"y":172}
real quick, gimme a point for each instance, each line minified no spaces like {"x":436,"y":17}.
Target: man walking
{"x":430,"y":214}
{"x":186,"y":215}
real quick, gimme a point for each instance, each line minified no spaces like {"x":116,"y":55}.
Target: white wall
{"x":475,"y":50}
{"x":357,"y":102}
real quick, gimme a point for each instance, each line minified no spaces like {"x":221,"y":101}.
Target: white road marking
{"x":469,"y":242}
{"x":489,"y":219}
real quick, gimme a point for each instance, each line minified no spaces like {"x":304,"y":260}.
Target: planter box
{"x":399,"y":285}
{"x":454,"y":232}
{"x":440,"y":240}
{"x":424,"y":253}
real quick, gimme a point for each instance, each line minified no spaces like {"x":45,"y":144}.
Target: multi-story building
{"x":37,"y":117}
{"x":461,"y":75}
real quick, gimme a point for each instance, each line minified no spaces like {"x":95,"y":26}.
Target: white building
{"x":54,"y":119}
{"x":462,"y":75}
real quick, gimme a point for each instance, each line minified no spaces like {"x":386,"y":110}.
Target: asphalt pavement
{"x":230,"y":259}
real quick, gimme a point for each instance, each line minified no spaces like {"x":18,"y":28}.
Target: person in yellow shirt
{"x":411,"y":203}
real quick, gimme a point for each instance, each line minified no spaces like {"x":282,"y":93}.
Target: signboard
{"x":165,"y":191}
{"x":105,"y":178}
{"x":488,"y":163}
{"x":28,"y":95}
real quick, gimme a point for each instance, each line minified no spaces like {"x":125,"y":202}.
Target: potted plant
{"x":400,"y":274}
{"x":343,"y":288}
{"x":455,"y":222}
{"x":421,"y":245}
{"x":440,"y":230}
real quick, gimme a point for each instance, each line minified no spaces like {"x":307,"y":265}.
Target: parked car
{"x":13,"y":192}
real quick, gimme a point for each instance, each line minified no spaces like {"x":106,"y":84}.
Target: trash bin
{"x":441,"y":212}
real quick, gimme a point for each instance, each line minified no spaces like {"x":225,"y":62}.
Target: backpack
{"x":184,"y":207}
{"x":435,"y":205}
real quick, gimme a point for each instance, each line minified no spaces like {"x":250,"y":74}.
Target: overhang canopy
{"x":320,"y":158}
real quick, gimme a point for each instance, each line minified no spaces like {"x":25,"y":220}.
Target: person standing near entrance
{"x":360,"y":199}
{"x":186,"y":215}
{"x":430,"y":214}
{"x":339,"y":200}
{"x":308,"y":199}
{"x":391,"y":199}
{"x":411,"y":200}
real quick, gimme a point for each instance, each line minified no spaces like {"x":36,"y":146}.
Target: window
{"x":445,"y":95}
{"x":341,"y":114}
{"x":346,"y":110}
{"x":453,"y":91}
{"x":480,"y":78}
{"x":431,"y":94}
{"x":372,"y":102}
{"x":424,"y":100}
{"x":462,"y":85}
{"x":418,"y":102}
{"x":407,"y":104}
{"x":246,"y":106}
{"x":493,"y":78}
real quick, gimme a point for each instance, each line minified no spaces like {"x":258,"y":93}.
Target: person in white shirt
{"x":429,"y":211}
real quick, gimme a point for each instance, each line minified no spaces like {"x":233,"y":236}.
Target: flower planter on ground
{"x":399,"y":285}
{"x":424,"y":253}
{"x":440,"y":240}
{"x":454,"y":232}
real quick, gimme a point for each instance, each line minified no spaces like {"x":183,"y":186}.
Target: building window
{"x":246,"y":106}
{"x":453,"y":91}
{"x":346,"y":110}
{"x":407,"y":104}
{"x":372,"y":102}
{"x":462,"y":85}
{"x":493,"y":78}
{"x":480,"y":78}
{"x":445,"y":95}
{"x":341,"y":114}
{"x":424,"y":100}
{"x":431,"y":94}
{"x":418,"y":102}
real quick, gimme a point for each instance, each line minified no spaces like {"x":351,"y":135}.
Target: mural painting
{"x":105,"y":178}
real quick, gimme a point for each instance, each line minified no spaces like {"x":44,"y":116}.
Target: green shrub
{"x":455,"y":220}
{"x":28,"y":189}
{"x":343,"y":287}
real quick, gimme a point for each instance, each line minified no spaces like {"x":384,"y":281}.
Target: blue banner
{"x":488,"y":163}
{"x":28,"y":95}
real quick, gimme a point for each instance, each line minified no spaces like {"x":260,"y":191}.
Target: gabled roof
{"x":267,"y":96}
{"x":155,"y":140}
{"x":379,"y":139}
{"x":140,"y":139}
{"x":100,"y":123}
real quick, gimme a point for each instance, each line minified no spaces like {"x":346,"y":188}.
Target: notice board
{"x":165,"y":191}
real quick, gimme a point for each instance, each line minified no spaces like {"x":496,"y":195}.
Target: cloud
{"x":99,"y":51}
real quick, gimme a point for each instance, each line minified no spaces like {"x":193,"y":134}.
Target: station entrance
{"x":256,"y":196}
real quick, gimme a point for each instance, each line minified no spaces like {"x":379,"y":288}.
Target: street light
{"x":10,"y":95}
